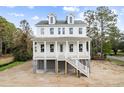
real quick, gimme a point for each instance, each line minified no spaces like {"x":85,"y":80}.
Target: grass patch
{"x":10,"y":65}
{"x":117,"y":62}
{"x":6,"y":60}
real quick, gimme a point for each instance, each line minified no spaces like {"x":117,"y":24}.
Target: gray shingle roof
{"x":45,"y":22}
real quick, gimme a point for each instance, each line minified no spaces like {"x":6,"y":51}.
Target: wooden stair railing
{"x":79,"y":66}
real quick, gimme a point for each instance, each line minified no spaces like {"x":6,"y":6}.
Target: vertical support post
{"x":56,"y":61}
{"x":44,"y":49}
{"x":78,"y":73}
{"x":56,"y":66}
{"x":56,"y":51}
{"x":45,"y":61}
{"x":66,"y":68}
{"x":78,"y":50}
{"x":34,"y":66}
{"x":89,"y":66}
{"x":45,"y":65}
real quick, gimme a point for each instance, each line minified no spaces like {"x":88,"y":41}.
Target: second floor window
{"x":63,"y":30}
{"x":70,"y":30}
{"x":42,"y":47}
{"x":80,"y":47}
{"x":42,"y":31}
{"x":61,"y":47}
{"x":59,"y":30}
{"x":51,"y":47}
{"x":51,"y":31}
{"x":80,"y":30}
{"x":71,"y":47}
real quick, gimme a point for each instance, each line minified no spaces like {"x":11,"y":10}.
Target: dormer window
{"x":51,"y":20}
{"x":71,"y":20}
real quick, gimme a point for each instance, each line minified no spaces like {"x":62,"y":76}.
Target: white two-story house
{"x":59,"y":43}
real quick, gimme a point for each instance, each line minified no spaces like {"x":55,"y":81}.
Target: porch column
{"x":67,"y":49}
{"x":66,"y":68}
{"x":56,"y":61}
{"x":56,"y":66}
{"x":34,"y":66}
{"x":56,"y":51}
{"x":84,"y":49}
{"x":78,"y":49}
{"x":45,"y":61}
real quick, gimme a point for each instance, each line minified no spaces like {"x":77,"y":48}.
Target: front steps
{"x":79,"y":66}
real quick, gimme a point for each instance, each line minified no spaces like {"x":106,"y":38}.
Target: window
{"x":63,"y":30}
{"x":71,"y":47}
{"x":35,"y":49}
{"x":51,"y":47}
{"x":70,"y":19}
{"x":59,"y":30}
{"x":61,"y":47}
{"x":87,"y":46}
{"x":51,"y":31}
{"x":51,"y":20}
{"x":80,"y":30}
{"x":35,"y":43}
{"x":42,"y":31}
{"x":42,"y":47}
{"x":70,"y":30}
{"x":80,"y":47}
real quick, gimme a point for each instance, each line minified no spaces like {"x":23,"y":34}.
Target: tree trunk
{"x":102,"y":38}
{"x":115,"y":52}
{"x":1,"y":47}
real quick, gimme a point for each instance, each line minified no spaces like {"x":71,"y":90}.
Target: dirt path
{"x":103,"y":74}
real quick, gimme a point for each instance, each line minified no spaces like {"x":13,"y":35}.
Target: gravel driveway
{"x":102,"y":74}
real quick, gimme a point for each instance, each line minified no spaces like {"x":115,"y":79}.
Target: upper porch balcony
{"x":65,"y":53}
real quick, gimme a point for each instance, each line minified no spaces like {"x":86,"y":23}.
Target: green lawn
{"x":119,"y":53}
{"x":10,"y":65}
{"x":117,"y":62}
{"x":7,"y":61}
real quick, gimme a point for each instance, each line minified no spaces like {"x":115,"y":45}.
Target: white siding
{"x":47,"y":32}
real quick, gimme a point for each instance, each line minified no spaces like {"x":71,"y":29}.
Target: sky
{"x":34,"y":14}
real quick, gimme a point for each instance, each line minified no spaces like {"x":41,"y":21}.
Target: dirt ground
{"x":103,"y":74}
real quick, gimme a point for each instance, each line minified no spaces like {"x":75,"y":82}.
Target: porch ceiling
{"x":61,"y":39}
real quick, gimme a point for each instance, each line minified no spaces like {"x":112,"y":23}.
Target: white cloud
{"x":30,"y":7}
{"x":35,"y":18}
{"x":71,"y":9}
{"x":16,"y":14}
{"x":80,"y":16}
{"x":122,"y":11}
{"x":118,"y":20}
{"x":11,"y":6}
